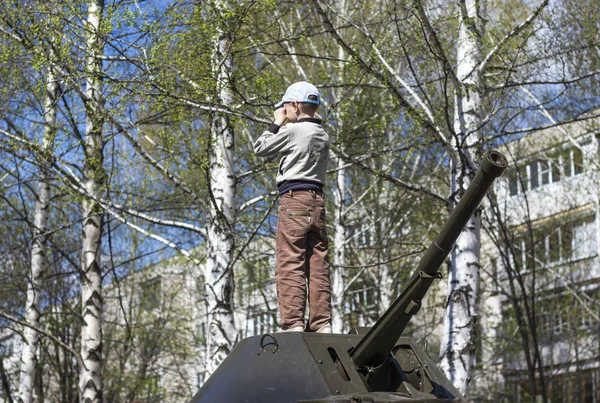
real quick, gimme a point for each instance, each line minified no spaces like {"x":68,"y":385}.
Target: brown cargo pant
{"x":301,"y":258}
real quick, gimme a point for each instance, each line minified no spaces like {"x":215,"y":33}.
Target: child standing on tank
{"x":301,"y":256}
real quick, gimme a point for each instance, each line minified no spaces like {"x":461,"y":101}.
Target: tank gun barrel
{"x":374,"y":348}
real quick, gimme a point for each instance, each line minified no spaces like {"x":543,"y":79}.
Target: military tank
{"x":376,"y":364}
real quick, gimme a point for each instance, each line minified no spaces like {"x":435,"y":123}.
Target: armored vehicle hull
{"x":311,"y":367}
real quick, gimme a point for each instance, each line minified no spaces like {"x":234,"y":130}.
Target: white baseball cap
{"x":301,"y":92}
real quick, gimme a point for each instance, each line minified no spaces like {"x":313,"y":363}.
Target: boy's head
{"x":300,"y":98}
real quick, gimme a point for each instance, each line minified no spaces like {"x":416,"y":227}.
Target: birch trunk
{"x":386,"y":287}
{"x":222,"y":335}
{"x":339,"y":235}
{"x":38,"y":249}
{"x":386,"y":283}
{"x":457,"y":352}
{"x":90,"y":377}
{"x":339,"y":255}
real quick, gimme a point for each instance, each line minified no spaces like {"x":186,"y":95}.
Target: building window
{"x":513,"y":183}
{"x":587,"y":320}
{"x":363,"y":298}
{"x":584,"y":237}
{"x":201,"y":333}
{"x":545,"y":322}
{"x":263,"y":322}
{"x":537,"y":173}
{"x":150,"y":296}
{"x":533,"y":175}
{"x":561,"y":314}
{"x":545,"y":173}
{"x":256,"y":277}
{"x":495,"y":276}
{"x":577,"y":157}
{"x":557,"y":322}
{"x":552,"y":244}
{"x":572,"y":161}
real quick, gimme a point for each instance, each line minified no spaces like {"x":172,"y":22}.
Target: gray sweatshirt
{"x":305,"y":148}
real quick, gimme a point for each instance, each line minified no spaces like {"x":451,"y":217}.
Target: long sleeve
{"x":273,"y":141}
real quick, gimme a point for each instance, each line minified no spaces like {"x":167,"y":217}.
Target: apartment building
{"x":541,"y":271}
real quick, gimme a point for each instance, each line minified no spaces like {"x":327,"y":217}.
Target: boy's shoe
{"x":291,"y":329}
{"x":326,"y":328}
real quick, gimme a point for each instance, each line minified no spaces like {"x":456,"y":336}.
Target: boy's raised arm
{"x":275,"y":138}
{"x":272,"y":141}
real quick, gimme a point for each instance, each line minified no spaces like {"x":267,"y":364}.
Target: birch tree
{"x":339,"y":255}
{"x":218,"y":272}
{"x":339,"y":228}
{"x":90,"y":376}
{"x":457,"y":352}
{"x":23,"y":32}
{"x":38,"y":250}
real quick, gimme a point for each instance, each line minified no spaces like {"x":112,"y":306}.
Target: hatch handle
{"x":264,"y":345}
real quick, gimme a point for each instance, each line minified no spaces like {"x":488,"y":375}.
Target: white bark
{"x":386,"y":287}
{"x":339,"y":255}
{"x":457,"y":352}
{"x":339,"y":228}
{"x":222,"y":335}
{"x":386,"y":284}
{"x":38,"y":249}
{"x":90,"y":377}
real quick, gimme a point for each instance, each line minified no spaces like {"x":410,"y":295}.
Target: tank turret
{"x":376,"y":364}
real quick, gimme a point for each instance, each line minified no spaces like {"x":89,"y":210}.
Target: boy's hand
{"x":279,"y":116}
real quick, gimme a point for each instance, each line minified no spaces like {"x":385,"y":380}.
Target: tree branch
{"x":45,"y":333}
{"x":517,"y":30}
